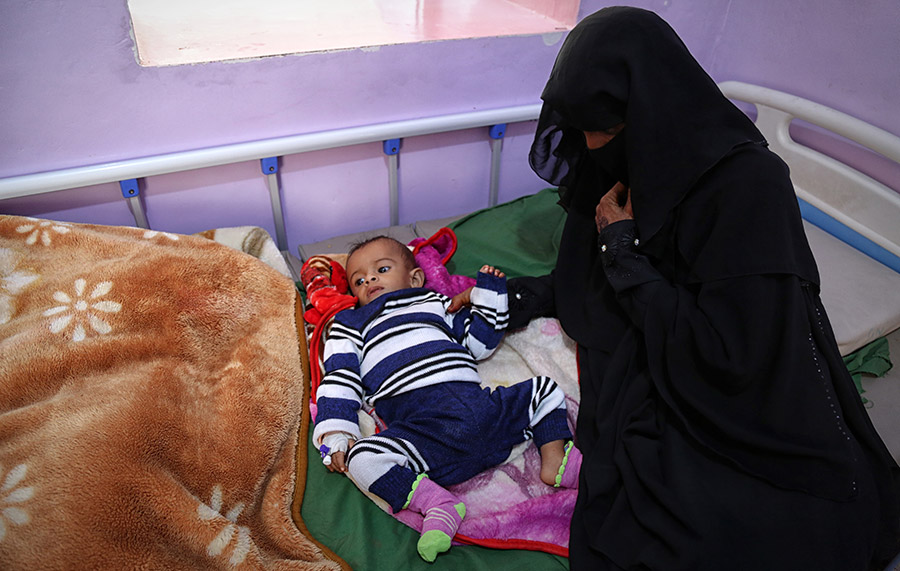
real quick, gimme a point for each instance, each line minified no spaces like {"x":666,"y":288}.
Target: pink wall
{"x":71,"y":94}
{"x":565,"y":11}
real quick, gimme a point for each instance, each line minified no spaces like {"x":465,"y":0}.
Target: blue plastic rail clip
{"x":129,"y":187}
{"x":269,"y":165}
{"x":392,"y":146}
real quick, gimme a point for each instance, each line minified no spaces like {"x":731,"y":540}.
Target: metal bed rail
{"x":268,"y":151}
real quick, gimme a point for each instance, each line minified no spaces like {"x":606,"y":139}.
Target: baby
{"x":412,"y":353}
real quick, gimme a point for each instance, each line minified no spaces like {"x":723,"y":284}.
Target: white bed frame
{"x":268,"y":151}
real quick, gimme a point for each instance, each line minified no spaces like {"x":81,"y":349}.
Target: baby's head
{"x":381,"y":265}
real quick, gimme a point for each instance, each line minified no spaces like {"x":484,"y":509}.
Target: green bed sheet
{"x":521,"y":237}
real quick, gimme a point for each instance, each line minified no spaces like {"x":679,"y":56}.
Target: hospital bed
{"x":154,"y":388}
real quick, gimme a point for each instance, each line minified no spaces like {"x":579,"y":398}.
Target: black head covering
{"x":627,"y":65}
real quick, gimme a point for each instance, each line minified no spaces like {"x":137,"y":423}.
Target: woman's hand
{"x":610,"y":209}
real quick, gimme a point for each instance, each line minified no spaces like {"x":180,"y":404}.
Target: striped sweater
{"x":402,"y":341}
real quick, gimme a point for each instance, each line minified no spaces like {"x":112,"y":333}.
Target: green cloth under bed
{"x":873,"y":359}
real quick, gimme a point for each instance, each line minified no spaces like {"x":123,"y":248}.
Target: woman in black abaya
{"x":719,"y":427}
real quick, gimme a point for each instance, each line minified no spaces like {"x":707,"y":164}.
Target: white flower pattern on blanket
{"x":42,"y":230}
{"x":11,"y":496}
{"x":151,"y":234}
{"x":221,"y":541}
{"x":78,"y":310}
{"x":13,"y":281}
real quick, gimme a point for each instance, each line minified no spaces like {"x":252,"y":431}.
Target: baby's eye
{"x":384,"y":269}
{"x":359,"y":281}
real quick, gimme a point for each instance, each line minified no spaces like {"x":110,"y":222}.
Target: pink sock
{"x":571,"y":467}
{"x":443,"y":513}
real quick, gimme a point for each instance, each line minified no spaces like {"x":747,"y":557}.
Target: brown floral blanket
{"x":151,"y":404}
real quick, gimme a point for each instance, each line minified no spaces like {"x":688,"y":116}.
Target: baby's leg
{"x":443,"y":513}
{"x":560,"y":460}
{"x":394,"y":470}
{"x":387,"y":467}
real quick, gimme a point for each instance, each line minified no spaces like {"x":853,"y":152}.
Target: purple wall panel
{"x":447,"y":175}
{"x":230,"y":195}
{"x":516,"y":177}
{"x":837,"y":53}
{"x":100,"y":204}
{"x":334,"y":192}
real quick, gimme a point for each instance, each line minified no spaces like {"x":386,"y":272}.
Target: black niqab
{"x":625,"y":64}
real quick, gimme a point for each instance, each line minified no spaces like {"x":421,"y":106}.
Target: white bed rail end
{"x":843,"y":201}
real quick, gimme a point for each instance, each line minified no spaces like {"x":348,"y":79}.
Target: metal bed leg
{"x":132,"y":193}
{"x":270,"y":169}
{"x":392,"y":150}
{"x":497,"y":132}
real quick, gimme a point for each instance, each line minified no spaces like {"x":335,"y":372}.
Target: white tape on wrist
{"x":331,"y":443}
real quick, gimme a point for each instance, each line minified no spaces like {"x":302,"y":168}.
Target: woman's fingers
{"x":615,"y":205}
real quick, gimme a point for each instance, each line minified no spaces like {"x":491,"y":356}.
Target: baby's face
{"x":378,"y":268}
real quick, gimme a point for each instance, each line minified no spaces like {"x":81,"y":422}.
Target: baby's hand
{"x":333,"y":450}
{"x":491,"y":270}
{"x":337,"y":462}
{"x":460,"y":300}
{"x":339,"y":459}
{"x":464,"y":298}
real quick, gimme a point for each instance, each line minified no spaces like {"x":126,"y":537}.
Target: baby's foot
{"x":443,"y":512}
{"x":567,"y":477}
{"x":438,"y":529}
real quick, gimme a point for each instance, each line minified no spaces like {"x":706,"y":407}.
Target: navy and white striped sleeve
{"x":485,"y":322}
{"x":340,"y":394}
